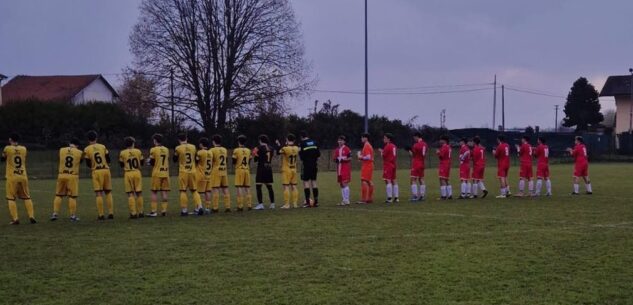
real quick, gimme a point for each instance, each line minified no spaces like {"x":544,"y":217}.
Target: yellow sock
{"x":207,"y":204}
{"x":100,"y":205}
{"x":109,"y":203}
{"x":238,"y":199}
{"x":183,"y":200}
{"x":216,"y":200}
{"x":295,"y":197}
{"x":72,"y":206}
{"x":227,"y":201}
{"x":249,"y":200}
{"x":13,"y":210}
{"x":164,"y":207}
{"x":197,"y":200}
{"x":28,"y":204}
{"x":131,"y":203}
{"x":139,"y":205}
{"x":154,"y":205}
{"x":286,"y":197}
{"x":57,"y":204}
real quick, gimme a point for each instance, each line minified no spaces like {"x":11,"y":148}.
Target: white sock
{"x":389,"y":190}
{"x":504,"y":191}
{"x":576,"y":188}
{"x":521,"y":185}
{"x":469,"y":188}
{"x":449,"y":190}
{"x":539,"y":185}
{"x":548,"y":186}
{"x":474,"y":188}
{"x":443,"y":190}
{"x":346,"y":193}
{"x":508,"y":189}
{"x":414,"y":190}
{"x":462,"y":188}
{"x":588,"y":186}
{"x":422,"y":190}
{"x":531,"y":186}
{"x":343,"y":193}
{"x":396,"y":192}
{"x":482,"y":186}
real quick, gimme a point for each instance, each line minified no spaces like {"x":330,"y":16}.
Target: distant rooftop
{"x":617,"y":85}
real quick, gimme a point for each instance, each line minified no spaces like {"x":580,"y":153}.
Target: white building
{"x":620,"y":88}
{"x":76,"y":89}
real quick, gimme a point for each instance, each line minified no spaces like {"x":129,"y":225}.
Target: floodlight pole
{"x":494,"y":105}
{"x":631,"y":102}
{"x":366,"y":83}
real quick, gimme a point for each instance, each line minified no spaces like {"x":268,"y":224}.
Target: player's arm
{"x":234,"y":157}
{"x":121,"y":163}
{"x":4,"y":155}
{"x":87,"y":158}
{"x":175,"y":157}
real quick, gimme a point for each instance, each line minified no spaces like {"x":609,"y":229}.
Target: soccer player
{"x":366,"y":157}
{"x":185,"y":155}
{"x":17,"y":185}
{"x":418,"y":156}
{"x":464,"y":169}
{"x":525,"y":160}
{"x":204,"y":159}
{"x":309,"y":154}
{"x":542,"y":168}
{"x":343,"y":159}
{"x":159,"y":160}
{"x":388,"y":153}
{"x":241,"y":161}
{"x":263,"y":155}
{"x":289,"y":153}
{"x":479,"y":165}
{"x":97,"y":159}
{"x":444,"y":168}
{"x":219,"y":179}
{"x":581,"y":166}
{"x":502,"y":154}
{"x":68,"y":179}
{"x":130,"y":161}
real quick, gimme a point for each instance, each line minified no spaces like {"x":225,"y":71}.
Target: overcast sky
{"x":431,"y":45}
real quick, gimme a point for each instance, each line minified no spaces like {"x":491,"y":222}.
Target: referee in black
{"x":309,"y":154}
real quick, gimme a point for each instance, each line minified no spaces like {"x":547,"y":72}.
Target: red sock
{"x":363,"y":192}
{"x":370,"y":195}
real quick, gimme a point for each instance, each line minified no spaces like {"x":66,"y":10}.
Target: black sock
{"x":315,"y":192}
{"x":258,"y":187}
{"x":306,"y":193}
{"x":271,"y":193}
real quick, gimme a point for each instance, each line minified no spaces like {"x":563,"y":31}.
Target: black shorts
{"x":309,"y":172}
{"x":264,"y":175}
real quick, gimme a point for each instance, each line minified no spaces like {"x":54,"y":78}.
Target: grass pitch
{"x":559,"y":250}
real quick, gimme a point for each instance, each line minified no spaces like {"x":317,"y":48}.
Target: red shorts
{"x":366,"y":172}
{"x":478,"y":172}
{"x":502,"y":172}
{"x":581,"y":170}
{"x":417,"y":171}
{"x":389,"y":172}
{"x":542,"y":171}
{"x":526,"y":171}
{"x":464,"y":172}
{"x":444,"y":172}
{"x":345,"y":176}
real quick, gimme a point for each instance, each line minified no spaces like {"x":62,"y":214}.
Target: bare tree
{"x":138,"y":96}
{"x":228,"y":57}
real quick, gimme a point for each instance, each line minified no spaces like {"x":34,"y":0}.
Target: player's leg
{"x":100,"y":210}
{"x":11,"y":198}
{"x":587,"y":185}
{"x":442,"y":189}
{"x":192,"y":185}
{"x":271,"y":195}
{"x":475,"y":188}
{"x":131,"y":203}
{"x":548,"y":186}
{"x":396,"y":191}
{"x":165,"y":203}
{"x":539,"y":185}
{"x":227,"y":197}
{"x":414,"y":189}
{"x":60,"y":193}
{"x":138,"y":193}
{"x":260,"y":197}
{"x":182,"y":189}
{"x":315,"y":189}
{"x":286,"y":188}
{"x":239,"y":198}
{"x":345,"y":188}
{"x":107,"y":189}
{"x":449,"y":188}
{"x":576,"y":186}
{"x":306,"y":192}
{"x":294,"y":195}
{"x":388,"y":190}
{"x":154,"y":202}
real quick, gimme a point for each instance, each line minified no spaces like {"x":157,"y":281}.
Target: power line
{"x":527,"y":91}
{"x":403,"y":93}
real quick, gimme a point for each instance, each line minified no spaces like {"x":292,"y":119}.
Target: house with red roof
{"x":75,"y":89}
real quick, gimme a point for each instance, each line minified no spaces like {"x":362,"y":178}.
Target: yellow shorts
{"x":101,"y":180}
{"x":67,"y":185}
{"x":289,"y":177}
{"x":160,"y":184}
{"x":133,"y":182}
{"x":204,"y":183}
{"x":18,"y":187}
{"x":218,"y":180}
{"x":242,"y":178}
{"x":187,"y":181}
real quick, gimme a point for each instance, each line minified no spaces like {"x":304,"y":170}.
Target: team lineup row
{"x":203,"y":172}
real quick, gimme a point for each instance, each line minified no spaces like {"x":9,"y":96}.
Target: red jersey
{"x":542,"y":155}
{"x":343,"y":158}
{"x":445,"y":155}
{"x":367,"y":162}
{"x":525,"y":154}
{"x":418,"y":152}
{"x":389,"y":155}
{"x":580,"y":154}
{"x":479,"y":156}
{"x":502,"y":154}
{"x":464,"y":156}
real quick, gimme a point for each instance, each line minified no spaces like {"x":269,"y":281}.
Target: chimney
{"x":2,"y":78}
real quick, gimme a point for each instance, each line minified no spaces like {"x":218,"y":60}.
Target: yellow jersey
{"x":241,"y":158}
{"x":186,"y":154}
{"x":160,"y":155}
{"x":219,"y":159}
{"x":96,"y":154}
{"x":289,"y":156}
{"x":204,"y":160}
{"x":15,"y":156}
{"x":131,"y":159}
{"x":69,"y":160}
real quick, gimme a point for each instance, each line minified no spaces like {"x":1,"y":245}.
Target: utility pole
{"x":494,"y":105}
{"x":503,"y":108}
{"x":366,"y":82}
{"x":443,"y":119}
{"x":631,"y":102}
{"x":556,"y":119}
{"x":171,"y":93}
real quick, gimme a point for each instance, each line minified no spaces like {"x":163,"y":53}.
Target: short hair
{"x":444,"y":137}
{"x":182,"y":136}
{"x":365,"y":135}
{"x":342,"y":137}
{"x":92,"y":135}
{"x":74,"y":141}
{"x":463,"y":140}
{"x":477,"y":140}
{"x":417,"y":134}
{"x":217,"y":139}
{"x":204,"y":141}
{"x":542,"y":139}
{"x":389,"y":136}
{"x":15,"y":137}
{"x":158,"y":138}
{"x":580,"y":139}
{"x":241,"y":139}
{"x":501,"y":138}
{"x":263,"y":138}
{"x":303,"y":134}
{"x":291,"y":137}
{"x":129,"y":141}
{"x":527,"y":138}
